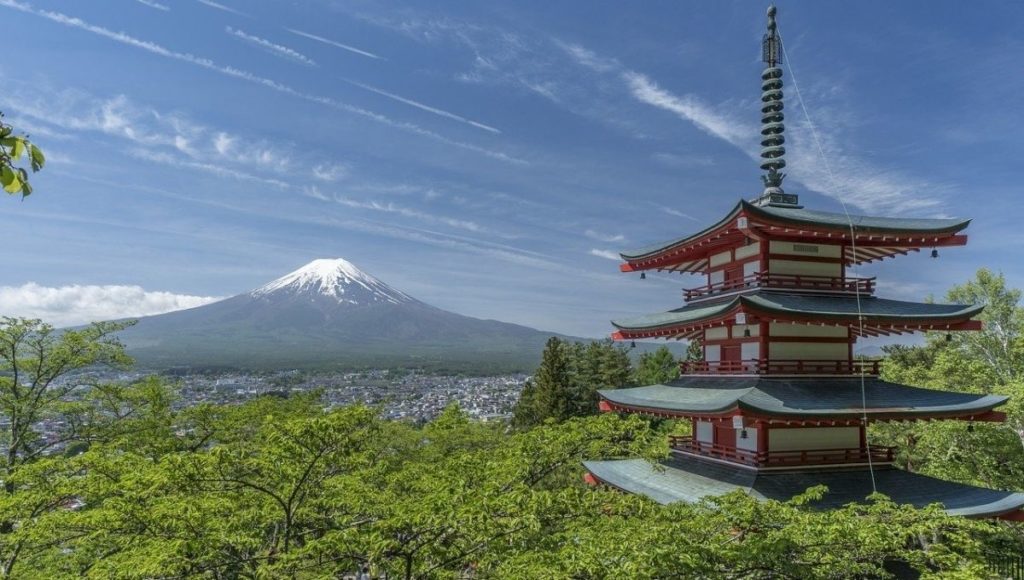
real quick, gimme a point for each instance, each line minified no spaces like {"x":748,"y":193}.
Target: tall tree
{"x":1000,"y":343}
{"x":36,"y":364}
{"x":551,"y":395}
{"x":13,"y":149}
{"x":656,"y":367}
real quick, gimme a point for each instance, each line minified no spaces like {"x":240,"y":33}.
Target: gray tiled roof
{"x":689,"y":480}
{"x":803,"y":304}
{"x":801,"y":397}
{"x":835,"y":220}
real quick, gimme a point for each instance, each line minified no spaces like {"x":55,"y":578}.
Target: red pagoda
{"x":780,"y":403}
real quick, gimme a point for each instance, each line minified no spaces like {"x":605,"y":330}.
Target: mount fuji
{"x":329,"y":314}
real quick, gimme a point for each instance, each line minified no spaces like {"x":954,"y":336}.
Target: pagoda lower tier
{"x":776,"y":436}
{"x":686,"y":479}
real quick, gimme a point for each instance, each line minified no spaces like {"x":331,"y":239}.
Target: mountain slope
{"x":330,"y":314}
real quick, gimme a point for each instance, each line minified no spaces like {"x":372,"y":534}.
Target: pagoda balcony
{"x":825,"y":284}
{"x":870,"y":367}
{"x":875,"y":454}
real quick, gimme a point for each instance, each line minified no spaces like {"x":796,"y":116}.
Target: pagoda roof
{"x":689,"y":480}
{"x":797,"y":307}
{"x":877,"y":236}
{"x":799,"y":397}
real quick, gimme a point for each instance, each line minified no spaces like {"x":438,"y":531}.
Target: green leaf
{"x":16,"y":145}
{"x":26,"y":189}
{"x":9,"y":179}
{"x":38,"y":159}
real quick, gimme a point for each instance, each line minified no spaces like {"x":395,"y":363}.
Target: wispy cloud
{"x":265,"y":82}
{"x":851,"y":180}
{"x":221,"y":7}
{"x":424,"y":107}
{"x":153,"y":4}
{"x":603,"y":237}
{"x":673,"y":211}
{"x":390,"y":207}
{"x":73,"y":305}
{"x":335,"y":43}
{"x":606,"y":254}
{"x":271,"y":47}
{"x":219,"y":170}
{"x":330,"y":171}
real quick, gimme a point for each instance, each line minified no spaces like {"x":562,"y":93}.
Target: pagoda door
{"x":725,"y":436}
{"x":733,"y":278}
{"x":731,"y":358}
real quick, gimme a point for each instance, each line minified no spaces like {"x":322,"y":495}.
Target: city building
{"x":780,"y":403}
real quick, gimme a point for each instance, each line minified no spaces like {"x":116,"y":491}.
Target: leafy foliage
{"x":13,"y":149}
{"x":656,"y":367}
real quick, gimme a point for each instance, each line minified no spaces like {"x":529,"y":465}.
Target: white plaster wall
{"x":750,"y":351}
{"x":716,"y":333}
{"x":833,"y":270}
{"x":824,"y":250}
{"x":716,"y":277}
{"x":808,"y":350}
{"x":813,"y":438}
{"x":705,"y":432}
{"x":712,"y":353}
{"x":750,"y":443}
{"x":719,"y":259}
{"x":751,"y":268}
{"x":784,"y":329}
{"x":748,"y":251}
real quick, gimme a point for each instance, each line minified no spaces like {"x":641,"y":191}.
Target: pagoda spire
{"x":773,"y":140}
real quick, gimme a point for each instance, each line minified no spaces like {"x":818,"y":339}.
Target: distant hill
{"x":329,"y":314}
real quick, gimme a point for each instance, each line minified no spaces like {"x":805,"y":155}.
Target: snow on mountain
{"x":337,"y":278}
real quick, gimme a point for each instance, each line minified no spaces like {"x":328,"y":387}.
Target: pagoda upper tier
{"x":858,"y":239}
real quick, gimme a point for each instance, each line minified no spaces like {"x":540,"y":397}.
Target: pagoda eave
{"x":872,"y":238}
{"x":689,"y":481}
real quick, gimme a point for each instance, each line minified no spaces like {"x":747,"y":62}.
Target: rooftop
{"x":688,"y":480}
{"x":801,"y":397}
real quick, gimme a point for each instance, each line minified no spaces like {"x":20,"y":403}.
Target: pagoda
{"x":779,"y":403}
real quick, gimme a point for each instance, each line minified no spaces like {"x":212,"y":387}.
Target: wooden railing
{"x":874,"y":453}
{"x":785,"y":281}
{"x":783,"y":367}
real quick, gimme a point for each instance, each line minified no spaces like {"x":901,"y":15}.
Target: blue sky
{"x":486,"y":158}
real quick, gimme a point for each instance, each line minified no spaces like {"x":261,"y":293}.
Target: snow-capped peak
{"x":337,"y":278}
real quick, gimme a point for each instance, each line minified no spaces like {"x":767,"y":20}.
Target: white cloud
{"x":851,"y":180}
{"x":222,"y":7}
{"x":588,"y":58}
{"x":428,"y":108}
{"x":273,"y":48}
{"x":74,"y":305}
{"x":333,"y":43}
{"x":153,"y":4}
{"x":606,"y":254}
{"x":219,"y":170}
{"x":601,"y":237}
{"x":390,"y":207}
{"x":675,"y":212}
{"x":330,"y":171}
{"x":244,"y":75}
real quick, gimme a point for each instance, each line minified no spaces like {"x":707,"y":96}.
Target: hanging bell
{"x":643,"y":275}
{"x":743,"y":434}
{"x":935,"y":252}
{"x":632,"y":344}
{"x":746,"y":333}
{"x":970,"y":427}
{"x":949,"y":337}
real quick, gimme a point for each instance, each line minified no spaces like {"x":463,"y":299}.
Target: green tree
{"x":656,"y":367}
{"x":568,"y":378}
{"x":14,"y":148}
{"x":37,"y":368}
{"x":1000,"y":343}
